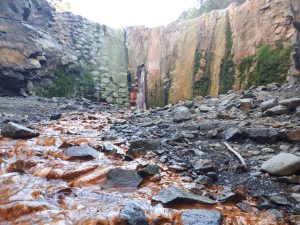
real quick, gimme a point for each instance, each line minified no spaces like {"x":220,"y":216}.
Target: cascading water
{"x":141,"y":81}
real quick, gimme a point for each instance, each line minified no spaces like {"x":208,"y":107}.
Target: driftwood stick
{"x":236,"y":154}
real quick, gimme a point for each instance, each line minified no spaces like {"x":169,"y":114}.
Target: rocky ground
{"x":228,"y":160}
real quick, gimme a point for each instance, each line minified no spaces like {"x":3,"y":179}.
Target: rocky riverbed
{"x":92,"y":163}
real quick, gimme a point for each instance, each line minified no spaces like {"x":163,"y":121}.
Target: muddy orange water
{"x":39,"y":185}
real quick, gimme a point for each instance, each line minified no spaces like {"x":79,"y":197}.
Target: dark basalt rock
{"x":118,"y":178}
{"x":141,"y":147}
{"x":133,"y":215}
{"x":83,"y":151}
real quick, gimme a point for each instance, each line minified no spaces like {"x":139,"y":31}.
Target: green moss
{"x":71,"y":82}
{"x":272,"y":65}
{"x":201,"y":87}
{"x":244,"y":68}
{"x":227,"y":65}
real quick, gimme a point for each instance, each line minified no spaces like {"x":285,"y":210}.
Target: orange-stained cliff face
{"x":203,"y":56}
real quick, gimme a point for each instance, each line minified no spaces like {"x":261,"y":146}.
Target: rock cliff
{"x":36,"y":39}
{"x":214,"y":53}
{"x":243,"y":45}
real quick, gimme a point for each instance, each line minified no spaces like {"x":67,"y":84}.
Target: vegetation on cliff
{"x":267,"y":66}
{"x":71,"y":82}
{"x":206,"y":6}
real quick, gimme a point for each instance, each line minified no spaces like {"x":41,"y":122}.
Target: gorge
{"x":253,"y":43}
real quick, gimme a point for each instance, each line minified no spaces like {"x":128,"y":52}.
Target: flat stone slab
{"x":283,"y":164}
{"x":82,"y":151}
{"x":174,"y":195}
{"x":201,"y":217}
{"x":16,"y":131}
{"x":120,"y":178}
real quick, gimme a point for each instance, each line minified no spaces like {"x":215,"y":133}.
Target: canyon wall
{"x":36,"y":40}
{"x":214,"y":53}
{"x":42,"y":44}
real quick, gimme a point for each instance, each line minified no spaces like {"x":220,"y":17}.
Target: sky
{"x":122,"y":13}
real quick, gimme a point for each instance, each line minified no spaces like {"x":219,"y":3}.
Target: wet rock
{"x":16,"y":131}
{"x":149,"y":170}
{"x":296,"y":196}
{"x":140,"y":147}
{"x":201,"y":217}
{"x":283,"y":164}
{"x":204,"y":180}
{"x":20,"y":166}
{"x":204,"y":165}
{"x":117,"y":178}
{"x":268,"y":104}
{"x":246,"y":104}
{"x":276,"y":111}
{"x":294,"y":135}
{"x":244,"y":206}
{"x":133,"y":215}
{"x":263,"y":135}
{"x":291,"y":103}
{"x":108,"y":146}
{"x":181,"y":114}
{"x":279,"y":200}
{"x":83,"y":151}
{"x":173,"y":195}
{"x":233,"y":134}
{"x":276,"y":213}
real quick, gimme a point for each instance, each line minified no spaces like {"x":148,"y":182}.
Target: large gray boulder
{"x":132,"y":214}
{"x":16,"y":131}
{"x":283,"y":164}
{"x":181,"y":114}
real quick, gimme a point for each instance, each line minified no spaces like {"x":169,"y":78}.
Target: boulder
{"x":262,"y":135}
{"x":16,"y":131}
{"x":118,"y":178}
{"x":181,"y":114}
{"x":132,"y":214}
{"x":149,"y":170}
{"x":201,"y":217}
{"x":276,"y":111}
{"x":283,"y":164}
{"x":174,"y":194}
{"x":83,"y":151}
{"x":291,"y":103}
{"x":268,"y":104}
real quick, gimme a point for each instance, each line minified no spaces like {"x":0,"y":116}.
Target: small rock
{"x":246,"y":207}
{"x":246,"y":103}
{"x":55,"y":116}
{"x":205,"y":108}
{"x":175,"y":194}
{"x":181,"y":114}
{"x":279,"y":200}
{"x":283,"y":164}
{"x":201,"y":217}
{"x":108,"y":146}
{"x":117,"y":178}
{"x":276,"y":111}
{"x":277,"y":214}
{"x":150,"y":170}
{"x":133,"y":215}
{"x":291,"y":103}
{"x":296,"y":196}
{"x":16,"y":131}
{"x":233,"y":134}
{"x":204,"y":180}
{"x":294,"y":135}
{"x":268,"y":104}
{"x":204,"y":165}
{"x":82,"y":152}
{"x":140,"y":147}
{"x":263,"y":135}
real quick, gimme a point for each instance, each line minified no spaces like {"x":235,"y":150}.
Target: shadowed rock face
{"x":295,"y":14}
